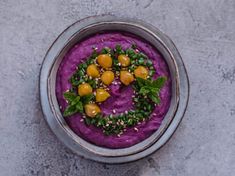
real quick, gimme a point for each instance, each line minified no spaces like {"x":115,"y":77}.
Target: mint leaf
{"x":69,"y":96}
{"x":155,"y":98}
{"x":75,"y":101}
{"x":140,"y":82}
{"x":87,"y":98}
{"x":70,"y":110}
{"x":144,"y":90}
{"x":151,"y":88}
{"x":79,"y":106}
{"x":159,"y":82}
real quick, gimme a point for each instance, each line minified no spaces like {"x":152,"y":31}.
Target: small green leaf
{"x":69,"y":96}
{"x":70,"y":110}
{"x":144,"y":90}
{"x":141,"y":61}
{"x":140,"y":82}
{"x":105,"y":50}
{"x":87,"y":98}
{"x":159,"y":82}
{"x":75,"y":101}
{"x":149,"y":63}
{"x":79,"y":106}
{"x":154,"y":98}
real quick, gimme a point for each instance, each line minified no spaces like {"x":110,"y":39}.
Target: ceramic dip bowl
{"x":91,"y":26}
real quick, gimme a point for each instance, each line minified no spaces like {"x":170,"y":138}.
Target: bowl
{"x":87,"y":27}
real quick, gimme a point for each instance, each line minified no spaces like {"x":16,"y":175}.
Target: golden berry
{"x":84,"y":89}
{"x":101,"y":95}
{"x":104,"y":60}
{"x":126,"y":77}
{"x":107,"y":77}
{"x":124,"y":60}
{"x":141,"y":72}
{"x":92,"y":109}
{"x":92,"y":71}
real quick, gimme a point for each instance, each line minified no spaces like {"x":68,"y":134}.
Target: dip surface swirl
{"x":121,"y":98}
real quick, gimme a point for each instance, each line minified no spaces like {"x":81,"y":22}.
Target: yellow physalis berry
{"x":124,"y":60}
{"x":126,"y":77}
{"x":104,"y":60}
{"x":92,"y":109}
{"x":141,"y":72}
{"x":84,"y":89}
{"x":92,"y":71}
{"x":101,"y":95}
{"x":107,"y":77}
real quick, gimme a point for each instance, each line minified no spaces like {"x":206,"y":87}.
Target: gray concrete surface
{"x":204,"y":32}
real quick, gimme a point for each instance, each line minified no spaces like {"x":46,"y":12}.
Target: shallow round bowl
{"x":92,"y":25}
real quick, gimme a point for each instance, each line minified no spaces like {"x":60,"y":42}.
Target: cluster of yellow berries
{"x":107,"y":77}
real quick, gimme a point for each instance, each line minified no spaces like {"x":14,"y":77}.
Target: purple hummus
{"x":121,"y":99}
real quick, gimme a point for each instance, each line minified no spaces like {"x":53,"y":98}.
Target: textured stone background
{"x":204,"y":32}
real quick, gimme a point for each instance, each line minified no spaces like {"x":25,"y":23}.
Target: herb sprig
{"x":151,"y":88}
{"x":76,"y":103}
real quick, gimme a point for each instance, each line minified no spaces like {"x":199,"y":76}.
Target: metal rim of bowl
{"x":59,"y":126}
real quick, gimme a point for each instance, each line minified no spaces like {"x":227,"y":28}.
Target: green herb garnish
{"x":146,"y":95}
{"x":76,"y":103}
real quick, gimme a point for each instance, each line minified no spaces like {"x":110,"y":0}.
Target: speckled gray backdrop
{"x":204,"y":32}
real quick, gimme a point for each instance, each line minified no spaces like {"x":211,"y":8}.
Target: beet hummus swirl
{"x":113,"y":89}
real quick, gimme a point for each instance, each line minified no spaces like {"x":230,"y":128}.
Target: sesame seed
{"x":136,"y":129}
{"x":154,"y":114}
{"x":60,"y":107}
{"x":84,"y":117}
{"x":119,"y":135}
{"x":133,"y":96}
{"x":126,"y":112}
{"x":93,"y":112}
{"x":107,"y":124}
{"x":114,"y":111}
{"x":81,"y":120}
